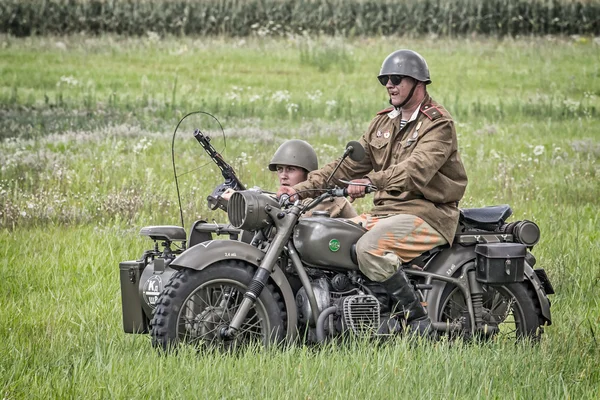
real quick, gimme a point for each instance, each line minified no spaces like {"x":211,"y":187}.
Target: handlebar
{"x":284,"y":199}
{"x":343,"y":192}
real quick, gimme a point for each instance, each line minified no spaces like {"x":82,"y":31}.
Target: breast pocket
{"x":379,"y":150}
{"x":379,"y":143}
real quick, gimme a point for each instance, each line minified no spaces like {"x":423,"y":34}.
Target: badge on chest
{"x":385,"y":135}
{"x":415,"y":135}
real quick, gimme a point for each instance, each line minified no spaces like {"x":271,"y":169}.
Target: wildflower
{"x":538,"y":150}
{"x":67,"y":80}
{"x":153,"y":37}
{"x":494,"y":154}
{"x":281,"y":96}
{"x":316,"y":96}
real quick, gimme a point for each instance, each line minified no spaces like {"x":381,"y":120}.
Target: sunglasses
{"x":396,"y":79}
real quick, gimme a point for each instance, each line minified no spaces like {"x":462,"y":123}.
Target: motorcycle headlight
{"x":247,"y":210}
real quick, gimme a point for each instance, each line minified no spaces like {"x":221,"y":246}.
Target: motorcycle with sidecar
{"x":280,"y":277}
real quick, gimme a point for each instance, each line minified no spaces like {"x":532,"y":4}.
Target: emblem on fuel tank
{"x":334,"y":245}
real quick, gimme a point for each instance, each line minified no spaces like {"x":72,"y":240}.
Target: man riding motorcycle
{"x":412,"y":158}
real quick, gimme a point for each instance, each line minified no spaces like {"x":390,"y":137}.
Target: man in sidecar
{"x":293,"y":161}
{"x":412,"y":158}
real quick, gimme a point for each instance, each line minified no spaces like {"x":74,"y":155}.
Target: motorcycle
{"x":281,"y":278}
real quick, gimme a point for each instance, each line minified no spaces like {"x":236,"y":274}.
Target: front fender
{"x":207,"y":253}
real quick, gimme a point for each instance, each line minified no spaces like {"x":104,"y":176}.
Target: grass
{"x":79,"y":176}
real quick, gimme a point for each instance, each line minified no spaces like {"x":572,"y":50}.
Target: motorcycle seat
{"x":164,"y":232}
{"x":486,"y":215}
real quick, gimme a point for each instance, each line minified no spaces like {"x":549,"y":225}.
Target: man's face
{"x":399,"y":92}
{"x":289,"y":175}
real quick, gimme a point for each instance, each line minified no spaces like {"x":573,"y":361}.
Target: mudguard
{"x":538,"y":287}
{"x":451,"y":260}
{"x":445,"y":263}
{"x":207,"y":253}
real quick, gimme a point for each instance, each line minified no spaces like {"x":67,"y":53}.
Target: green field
{"x":85,"y":161}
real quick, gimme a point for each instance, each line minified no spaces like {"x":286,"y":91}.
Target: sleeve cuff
{"x":376,"y":179}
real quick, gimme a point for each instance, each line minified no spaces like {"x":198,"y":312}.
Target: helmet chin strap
{"x":410,"y":95}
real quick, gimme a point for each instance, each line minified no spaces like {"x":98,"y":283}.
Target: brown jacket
{"x":417,"y":170}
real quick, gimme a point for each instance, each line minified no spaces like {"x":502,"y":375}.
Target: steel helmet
{"x":296,"y":153}
{"x":406,"y":63}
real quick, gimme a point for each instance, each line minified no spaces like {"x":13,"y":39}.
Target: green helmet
{"x":296,"y":153}
{"x":406,"y":63}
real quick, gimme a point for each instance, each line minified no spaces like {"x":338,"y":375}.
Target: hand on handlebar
{"x":290,"y":191}
{"x":227,"y":194}
{"x":357,"y":188}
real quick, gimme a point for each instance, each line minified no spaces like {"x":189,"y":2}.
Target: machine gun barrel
{"x":231,"y":179}
{"x":226,"y":169}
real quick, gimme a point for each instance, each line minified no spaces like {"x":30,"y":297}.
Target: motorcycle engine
{"x":321,"y":290}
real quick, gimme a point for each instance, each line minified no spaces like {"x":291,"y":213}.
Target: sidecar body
{"x":143,"y":280}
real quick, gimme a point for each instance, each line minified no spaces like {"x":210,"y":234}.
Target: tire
{"x":512,"y":308}
{"x":190,"y":309}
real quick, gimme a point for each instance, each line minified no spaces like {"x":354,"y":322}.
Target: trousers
{"x":392,"y":240}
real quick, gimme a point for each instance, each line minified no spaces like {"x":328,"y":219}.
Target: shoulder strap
{"x":431,"y":111}
{"x":387,"y":110}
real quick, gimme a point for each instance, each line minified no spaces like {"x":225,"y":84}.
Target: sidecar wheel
{"x":195,"y":305}
{"x":512,"y":308}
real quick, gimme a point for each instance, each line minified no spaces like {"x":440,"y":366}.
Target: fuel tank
{"x":328,"y":242}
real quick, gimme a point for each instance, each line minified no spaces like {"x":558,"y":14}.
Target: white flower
{"x":292,"y":108}
{"x":538,"y":150}
{"x":68,"y":80}
{"x":153,"y":37}
{"x":331,"y":103}
{"x":281,"y":96}
{"x":314,"y":96}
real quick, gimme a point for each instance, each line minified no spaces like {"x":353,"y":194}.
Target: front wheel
{"x":511,"y":310}
{"x":195,"y":306}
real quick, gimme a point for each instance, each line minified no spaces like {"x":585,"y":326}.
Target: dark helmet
{"x":407,"y":63}
{"x":296,"y":153}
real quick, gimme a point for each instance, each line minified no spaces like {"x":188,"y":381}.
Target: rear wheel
{"x":196,"y":305}
{"x":512,"y":309}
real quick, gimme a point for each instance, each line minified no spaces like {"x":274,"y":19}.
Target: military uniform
{"x":420,"y":180}
{"x":417,"y":169}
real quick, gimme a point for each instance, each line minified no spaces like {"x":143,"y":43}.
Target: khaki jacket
{"x":417,"y":169}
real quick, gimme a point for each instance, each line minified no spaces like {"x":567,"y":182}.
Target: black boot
{"x":405,"y":304}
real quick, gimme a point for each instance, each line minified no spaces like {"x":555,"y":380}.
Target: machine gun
{"x":231,"y":180}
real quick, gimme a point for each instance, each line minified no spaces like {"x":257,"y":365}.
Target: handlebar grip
{"x":284,"y":200}
{"x":343,"y":192}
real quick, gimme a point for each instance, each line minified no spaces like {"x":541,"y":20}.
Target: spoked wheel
{"x":511,"y":311}
{"x":197,"y":306}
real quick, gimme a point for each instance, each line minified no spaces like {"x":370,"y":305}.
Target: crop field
{"x":86,"y":127}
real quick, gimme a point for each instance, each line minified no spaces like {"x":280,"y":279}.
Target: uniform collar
{"x":396,"y":112}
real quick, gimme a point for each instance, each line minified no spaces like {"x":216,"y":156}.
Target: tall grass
{"x":78,"y":180}
{"x":53,"y":84}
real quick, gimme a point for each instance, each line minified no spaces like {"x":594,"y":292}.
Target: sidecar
{"x":142,"y":280}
